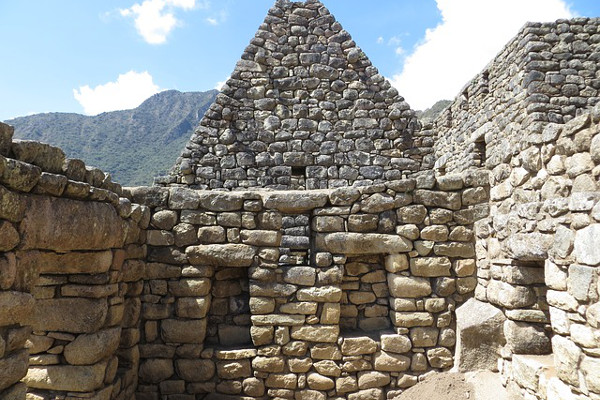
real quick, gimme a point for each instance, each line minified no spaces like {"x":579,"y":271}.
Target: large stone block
{"x":13,"y":368}
{"x":66,"y":377}
{"x":73,"y":315}
{"x":406,"y":286}
{"x":586,"y":248}
{"x":65,"y":225}
{"x":295,"y":201}
{"x":480,"y":335}
{"x":366,"y":243}
{"x":190,"y":331}
{"x":391,"y":362}
{"x":223,"y":255}
{"x":316,"y":333}
{"x":16,"y":308}
{"x":156,"y":370}
{"x":91,"y":348}
{"x":195,"y":370}
{"x":12,"y":205}
{"x":430,"y":266}
{"x":67,"y":263}
{"x":528,"y":246}
{"x":523,"y":338}
{"x":510,"y":296}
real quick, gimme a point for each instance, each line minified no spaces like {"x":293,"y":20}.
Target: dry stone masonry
{"x":303,"y":109}
{"x":314,"y":242}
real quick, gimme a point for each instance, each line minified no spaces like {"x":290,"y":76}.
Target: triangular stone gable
{"x":303,"y":109}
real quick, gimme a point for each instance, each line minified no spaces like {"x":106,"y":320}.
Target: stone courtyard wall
{"x":362,"y":310}
{"x":529,"y":119}
{"x":70,"y":277}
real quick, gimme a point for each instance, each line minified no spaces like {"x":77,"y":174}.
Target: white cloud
{"x":219,"y":85}
{"x":217,"y":18}
{"x":155,"y":19}
{"x":129,"y":91}
{"x":380,"y":40}
{"x":471,"y":33}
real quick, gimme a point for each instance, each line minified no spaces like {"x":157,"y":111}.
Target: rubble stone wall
{"x":70,"y":277}
{"x":364,"y":308}
{"x":529,"y":119}
{"x":548,"y":73}
{"x":303,"y":109}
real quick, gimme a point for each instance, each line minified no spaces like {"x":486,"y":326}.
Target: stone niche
{"x":229,"y":314}
{"x":365,"y":299}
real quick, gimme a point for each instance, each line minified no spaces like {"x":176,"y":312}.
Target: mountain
{"x":133,"y":145}
{"x":432,"y":113}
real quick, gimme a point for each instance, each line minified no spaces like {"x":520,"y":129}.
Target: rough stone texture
{"x":231,"y":255}
{"x":67,"y":378}
{"x":92,"y":348}
{"x":74,"y":315}
{"x":480,"y":335}
{"x":354,"y":243}
{"x":74,"y":225}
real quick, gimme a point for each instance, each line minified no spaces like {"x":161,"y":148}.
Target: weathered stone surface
{"x":586,"y":248}
{"x":156,"y":370}
{"x":316,"y":333}
{"x":9,"y":237}
{"x":294,"y":202}
{"x":430,"y":266}
{"x":356,"y":243}
{"x":225,"y":255}
{"x":277,"y":320}
{"x":567,"y":358}
{"x":480,"y":335}
{"x":359,"y":345}
{"x":373,"y":379}
{"x":390,"y":362}
{"x":68,"y":263}
{"x":396,"y":343}
{"x":405,"y":286}
{"x":12,"y":205}
{"x":525,"y":338}
{"x":92,"y":348}
{"x":183,"y":198}
{"x":440,"y":358}
{"x":319,"y":382}
{"x":13,"y":367}
{"x":324,"y":294}
{"x":220,"y":202}
{"x":528,"y":246}
{"x":66,"y":377}
{"x":395,"y":263}
{"x":510,"y":296}
{"x":74,"y":225}
{"x":431,"y":198}
{"x":16,"y":308}
{"x":191,"y":331}
{"x":73,"y":315}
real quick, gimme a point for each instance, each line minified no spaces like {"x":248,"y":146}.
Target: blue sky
{"x":97,"y":55}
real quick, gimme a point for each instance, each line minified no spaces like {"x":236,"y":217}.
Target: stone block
{"x":528,"y":246}
{"x":12,"y":205}
{"x":586,"y":250}
{"x":294,"y":201}
{"x":440,"y":358}
{"x":190,"y":331}
{"x":317,"y":381}
{"x":411,"y":319}
{"x":411,"y":287}
{"x":373,"y":379}
{"x":358,"y":346}
{"x":391,"y":362}
{"x":325,"y":294}
{"x":16,"y":308}
{"x":396,"y":343}
{"x":523,"y":338}
{"x":316,"y":333}
{"x":480,"y":336}
{"x":13,"y":367}
{"x":89,"y":349}
{"x":66,"y":377}
{"x":224,"y":255}
{"x":430,"y":266}
{"x":73,"y":315}
{"x":367,"y":243}
{"x":510,"y":296}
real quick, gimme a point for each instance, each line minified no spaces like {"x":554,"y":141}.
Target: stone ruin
{"x":315,"y":242}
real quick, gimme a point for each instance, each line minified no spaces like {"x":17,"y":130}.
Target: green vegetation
{"x":132,"y":145}
{"x":432,"y":113}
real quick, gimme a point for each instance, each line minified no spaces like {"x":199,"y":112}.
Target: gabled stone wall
{"x":303,"y":109}
{"x":396,"y":258}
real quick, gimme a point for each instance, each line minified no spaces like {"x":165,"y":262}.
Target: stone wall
{"x":365,"y":310}
{"x":303,"y":109}
{"x":529,"y":119}
{"x":547,"y":74}
{"x":70,"y":270}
